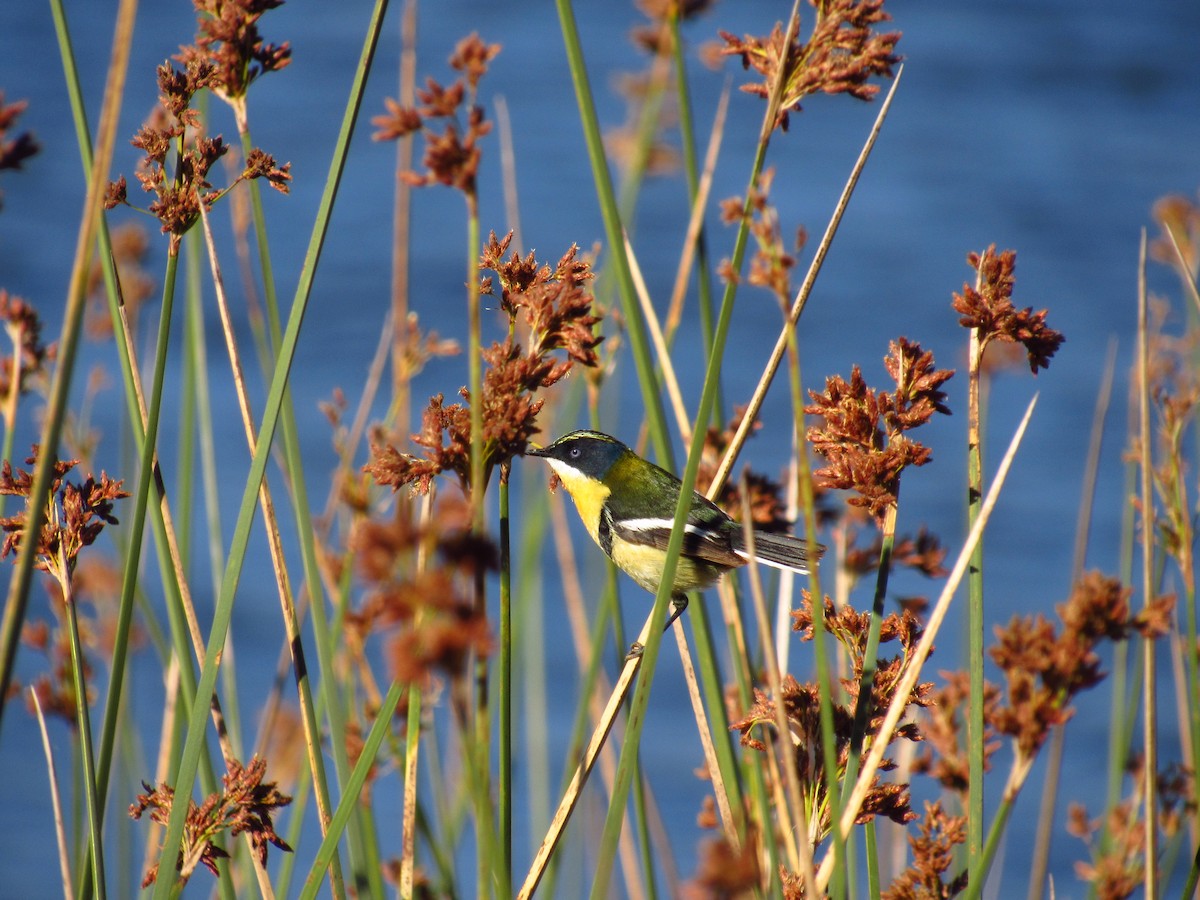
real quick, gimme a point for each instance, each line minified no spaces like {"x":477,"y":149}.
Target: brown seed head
{"x":988,"y":308}
{"x":843,"y":52}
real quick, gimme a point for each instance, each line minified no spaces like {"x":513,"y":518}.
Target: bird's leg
{"x":679,"y":603}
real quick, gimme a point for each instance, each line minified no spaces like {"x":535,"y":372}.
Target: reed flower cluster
{"x":442,"y":592}
{"x":556,"y":309}
{"x":843,"y":52}
{"x":864,"y":436}
{"x":15,"y":147}
{"x":76,"y":513}
{"x":245,"y":805}
{"x":179,"y":181}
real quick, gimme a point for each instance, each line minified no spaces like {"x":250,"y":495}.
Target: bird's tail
{"x":783,"y":551}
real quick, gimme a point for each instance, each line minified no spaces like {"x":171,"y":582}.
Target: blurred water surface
{"x":1046,"y":128}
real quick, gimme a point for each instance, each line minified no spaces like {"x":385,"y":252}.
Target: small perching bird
{"x":628,"y":506}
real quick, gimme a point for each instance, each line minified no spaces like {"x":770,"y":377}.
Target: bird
{"x":628,"y":504}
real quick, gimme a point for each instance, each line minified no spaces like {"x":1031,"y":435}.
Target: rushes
{"x":409,"y":577}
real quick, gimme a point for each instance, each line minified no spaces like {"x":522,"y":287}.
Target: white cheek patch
{"x":561,"y":470}
{"x":568,"y":475}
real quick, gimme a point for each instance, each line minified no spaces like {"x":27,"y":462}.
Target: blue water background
{"x":1049,"y":128}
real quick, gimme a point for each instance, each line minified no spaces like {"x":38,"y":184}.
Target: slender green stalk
{"x":872,"y":854}
{"x":504,"y":776}
{"x":18,"y":590}
{"x":1123,"y":709}
{"x":975,"y":651}
{"x":224,"y":606}
{"x":84,"y":721}
{"x":145,"y":440}
{"x":614,"y":233}
{"x":477,"y":733}
{"x":691,"y":168}
{"x":866,"y":680}
{"x":825,"y":683}
{"x":408,"y":837}
{"x":349,"y":800}
{"x":871,"y":652}
{"x":641,"y":694}
{"x":138,"y":429}
{"x":1149,"y":773}
{"x":1189,"y":889}
{"x":979,"y":873}
{"x":642,"y":823}
{"x":186,"y":484}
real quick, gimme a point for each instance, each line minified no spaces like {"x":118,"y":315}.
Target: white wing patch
{"x":799,"y":570}
{"x":661,"y":525}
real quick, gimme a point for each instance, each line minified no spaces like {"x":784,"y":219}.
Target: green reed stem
{"x":975,"y":638}
{"x":349,"y":800}
{"x":642,"y":825}
{"x":871,"y":652}
{"x":1123,"y":709}
{"x":290,"y":439}
{"x":637,"y":710}
{"x":821,"y":660}
{"x":691,"y":168}
{"x":84,"y":721}
{"x":224,"y":606}
{"x":17,"y":601}
{"x":1150,"y":736}
{"x":530,"y":638}
{"x":504,"y":776}
{"x":186,"y":484}
{"x":129,"y":585}
{"x":614,"y":233}
{"x":408,"y":837}
{"x":979,"y":873}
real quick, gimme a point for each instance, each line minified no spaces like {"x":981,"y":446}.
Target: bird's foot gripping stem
{"x":679,"y":602}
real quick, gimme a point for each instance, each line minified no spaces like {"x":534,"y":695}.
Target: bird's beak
{"x":535,"y":449}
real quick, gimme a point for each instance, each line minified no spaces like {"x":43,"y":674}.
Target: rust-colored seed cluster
{"x":989,"y":309}
{"x":450,"y":159}
{"x":556,"y":309}
{"x":18,"y":148}
{"x":226,"y":58}
{"x":864,"y":439}
{"x":843,"y":52}
{"x":30,"y":356}
{"x":76,"y":514}
{"x":933,"y":848}
{"x":801,"y":707}
{"x":1045,"y":667}
{"x":429,"y":613}
{"x":244,"y":806}
{"x":229,"y":42}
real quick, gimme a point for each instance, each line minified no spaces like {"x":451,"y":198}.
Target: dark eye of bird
{"x":574,"y":452}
